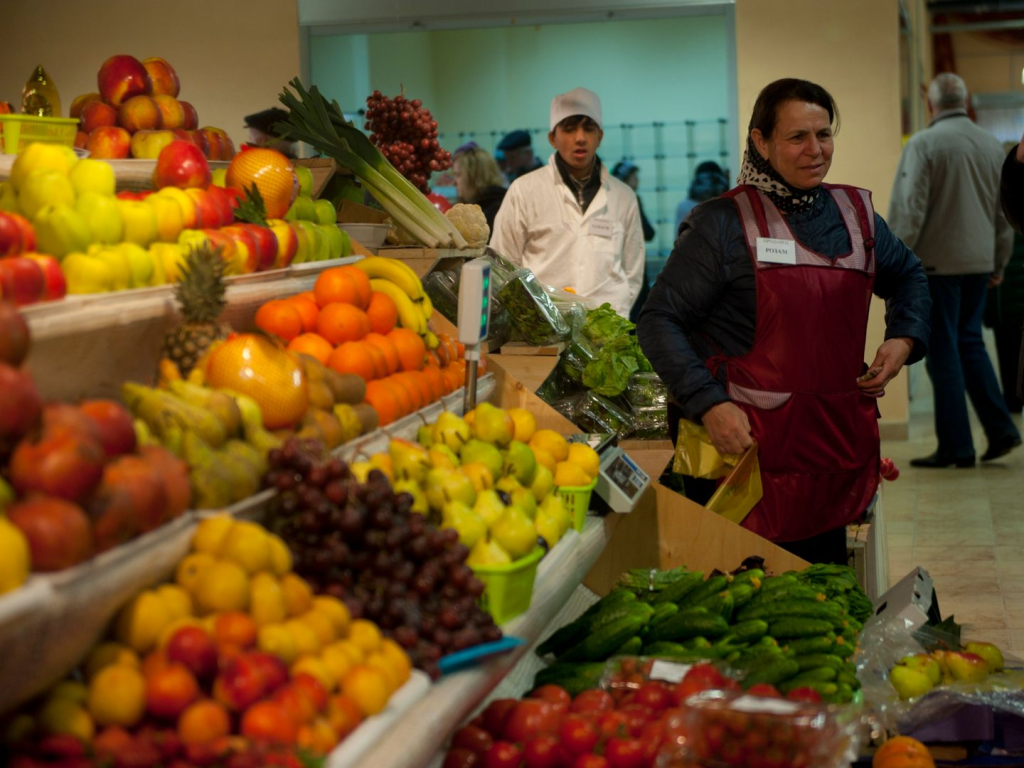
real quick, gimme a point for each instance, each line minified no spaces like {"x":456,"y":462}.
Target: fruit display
{"x":361,"y":542}
{"x":406,"y":134}
{"x":902,"y":752}
{"x":917,"y":674}
{"x":235,"y":658}
{"x":795,"y":630}
{"x":136,"y":113}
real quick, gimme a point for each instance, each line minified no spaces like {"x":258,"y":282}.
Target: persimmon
{"x":388,"y":348}
{"x":411,"y":349}
{"x":308,"y":311}
{"x":312,"y":344}
{"x":280,"y":318}
{"x":354,"y":357}
{"x":382,"y":312}
{"x":340,"y":322}
{"x":383,"y":400}
{"x":335,"y":285}
{"x":436,"y":380}
{"x":361,"y":282}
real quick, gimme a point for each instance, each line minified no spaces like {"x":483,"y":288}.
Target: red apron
{"x":817,"y":434}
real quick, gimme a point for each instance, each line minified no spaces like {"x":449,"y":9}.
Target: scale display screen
{"x":629,"y":478}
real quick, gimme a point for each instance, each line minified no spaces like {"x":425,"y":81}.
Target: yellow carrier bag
{"x":697,"y":457}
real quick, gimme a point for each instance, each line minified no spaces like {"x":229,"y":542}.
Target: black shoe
{"x":935,"y":461}
{"x":1001,"y":447}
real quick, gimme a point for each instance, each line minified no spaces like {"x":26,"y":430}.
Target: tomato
{"x":472,"y":738}
{"x":614,"y":724}
{"x":809,"y":695}
{"x":590,"y":761}
{"x":577,"y":734}
{"x":496,"y":714}
{"x":701,"y":677}
{"x":461,"y":758}
{"x":594,"y":700}
{"x":503,"y":755}
{"x":553,"y":694}
{"x":651,"y":736}
{"x":654,"y":696}
{"x":529,"y":719}
{"x":543,"y":752}
{"x":637,"y":717}
{"x":626,"y":753}
{"x":764,"y":690}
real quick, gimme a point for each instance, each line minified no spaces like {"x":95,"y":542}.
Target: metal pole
{"x":472,"y":361}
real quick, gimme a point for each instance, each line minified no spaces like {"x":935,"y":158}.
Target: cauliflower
{"x":469,"y":220}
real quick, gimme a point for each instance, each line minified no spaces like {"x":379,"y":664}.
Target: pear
{"x":523,"y":498}
{"x":409,"y":461}
{"x":493,"y":425}
{"x":484,"y":453}
{"x":543,"y":482}
{"x":489,"y":506}
{"x":554,"y":507}
{"x":467,"y":523}
{"x":520,"y":463}
{"x":419,"y":499}
{"x":450,"y":430}
{"x":548,"y":528}
{"x":569,"y":475}
{"x":361,"y":469}
{"x":487,"y":552}
{"x":515,"y":533}
{"x":424,"y":436}
{"x":442,"y":456}
{"x":479,"y":475}
{"x":446,"y":485}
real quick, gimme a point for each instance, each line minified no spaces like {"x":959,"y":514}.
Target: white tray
{"x":318,"y":266}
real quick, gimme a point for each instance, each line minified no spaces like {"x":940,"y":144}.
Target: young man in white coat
{"x":572,"y":223}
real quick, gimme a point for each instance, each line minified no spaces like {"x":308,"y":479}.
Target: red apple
{"x":96,"y":114}
{"x":287,"y":242}
{"x":10,"y":236}
{"x":223,"y":200}
{"x":61,"y":463}
{"x":116,"y":430}
{"x":213,"y":143}
{"x":65,"y":417}
{"x":246,"y":248}
{"x":111,"y":511}
{"x":199,"y":139}
{"x":28,"y":232}
{"x":174,"y":472}
{"x":171,"y":114}
{"x":15,"y":339}
{"x":272,"y":669}
{"x":55,"y":285}
{"x":208,"y":211}
{"x":266,"y":245}
{"x":147,"y":145}
{"x":120,"y":78}
{"x":239,"y":684}
{"x":20,"y":404}
{"x":109,"y":142}
{"x":162,"y":76}
{"x":139,"y":113}
{"x":21,"y":280}
{"x":227,"y":245}
{"x":182,"y":165}
{"x":81,"y":139}
{"x":80,"y":101}
{"x":145,"y":486}
{"x":57,"y":531}
{"x":193,"y":647}
{"x":191,"y":116}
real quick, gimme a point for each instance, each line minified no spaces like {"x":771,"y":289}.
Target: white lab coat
{"x":599,"y":254}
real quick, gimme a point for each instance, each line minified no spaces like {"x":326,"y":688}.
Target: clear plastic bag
{"x":594,"y":413}
{"x":442,"y":286}
{"x":646,"y":390}
{"x":534,"y":317}
{"x":650,"y":423}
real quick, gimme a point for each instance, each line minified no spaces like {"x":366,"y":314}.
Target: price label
{"x":754,"y":704}
{"x":669,"y":671}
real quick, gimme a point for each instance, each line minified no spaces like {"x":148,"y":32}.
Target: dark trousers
{"x":827,"y":547}
{"x":958,"y":363}
{"x":1008,"y":348}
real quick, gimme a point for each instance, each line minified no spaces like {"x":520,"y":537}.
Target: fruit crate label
{"x":669,"y":671}
{"x":754,"y":704}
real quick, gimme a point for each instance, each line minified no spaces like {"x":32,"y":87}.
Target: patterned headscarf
{"x":758,"y":172}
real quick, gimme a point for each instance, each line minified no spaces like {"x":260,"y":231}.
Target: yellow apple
{"x":44,"y":187}
{"x":102,"y":217}
{"x":169,"y":220}
{"x":188,"y":207}
{"x":156,"y":256}
{"x":120,"y":268}
{"x":139,"y":222}
{"x":146,"y":144}
{"x":140,"y":263}
{"x":38,"y":156}
{"x":86,"y":274}
{"x":9,"y":198}
{"x":88,"y":175}
{"x":193,"y":238}
{"x":60,"y":230}
{"x":219,"y":177}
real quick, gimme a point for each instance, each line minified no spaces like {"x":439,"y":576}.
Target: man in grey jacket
{"x":945,"y":207}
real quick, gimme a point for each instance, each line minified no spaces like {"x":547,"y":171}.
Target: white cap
{"x":578,"y":101}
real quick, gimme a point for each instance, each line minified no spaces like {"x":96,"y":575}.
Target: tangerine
{"x":354,"y":357}
{"x":385,"y":345}
{"x":336,"y":285}
{"x":203,"y":722}
{"x":405,"y":401}
{"x":306,"y":295}
{"x":312,"y":344}
{"x":382,"y":312}
{"x":339,"y":322}
{"x":361,"y":281}
{"x":383,"y":400}
{"x":280,"y":318}
{"x":343,"y":715}
{"x":423,"y":383}
{"x":268,"y":722}
{"x":454,"y":379}
{"x":436,"y":380}
{"x":308,"y":311}
{"x":380,"y":360}
{"x":367,"y":688}
{"x":410,"y":346}
{"x":401,"y":381}
{"x":235,"y":628}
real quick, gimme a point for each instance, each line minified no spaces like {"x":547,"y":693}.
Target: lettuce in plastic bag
{"x":605,"y":324}
{"x":617,"y":360}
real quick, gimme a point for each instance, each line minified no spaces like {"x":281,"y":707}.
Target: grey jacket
{"x":945,"y":200}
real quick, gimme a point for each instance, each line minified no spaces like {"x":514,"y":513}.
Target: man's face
{"x":576,"y":140}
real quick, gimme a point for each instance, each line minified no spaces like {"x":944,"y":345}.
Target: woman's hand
{"x":728,"y":428}
{"x":889,"y":358}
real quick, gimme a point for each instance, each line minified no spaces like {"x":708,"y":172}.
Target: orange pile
{"x":351,"y":328}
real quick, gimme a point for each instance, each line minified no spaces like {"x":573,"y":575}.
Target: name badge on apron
{"x":601,"y":227}
{"x":774,"y":251}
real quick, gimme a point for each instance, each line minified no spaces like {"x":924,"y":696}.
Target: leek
{"x":323,"y":126}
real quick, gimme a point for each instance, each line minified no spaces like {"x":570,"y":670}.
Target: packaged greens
{"x":558,"y":386}
{"x":534,"y":317}
{"x":442,"y":286}
{"x":650,"y":423}
{"x":616,"y":362}
{"x":646,"y":390}
{"x":604,"y":324}
{"x":593,"y":413}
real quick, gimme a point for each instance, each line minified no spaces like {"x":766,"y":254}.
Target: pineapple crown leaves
{"x":252,"y":209}
{"x":200,"y":291}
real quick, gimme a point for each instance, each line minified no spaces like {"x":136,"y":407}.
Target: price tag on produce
{"x":669,"y":671}
{"x":755,"y":704}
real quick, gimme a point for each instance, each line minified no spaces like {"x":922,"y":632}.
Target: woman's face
{"x":461,"y":180}
{"x":800,"y":147}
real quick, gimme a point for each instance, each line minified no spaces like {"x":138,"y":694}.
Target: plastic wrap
{"x":646,"y":390}
{"x":442,"y":286}
{"x":886,"y":640}
{"x":594,"y":413}
{"x":534,"y":316}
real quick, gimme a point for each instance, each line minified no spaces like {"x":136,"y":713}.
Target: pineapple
{"x":200,"y":294}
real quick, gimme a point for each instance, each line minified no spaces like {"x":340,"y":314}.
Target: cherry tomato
{"x":555,"y":695}
{"x":472,"y":738}
{"x":809,"y":695}
{"x":651,"y":736}
{"x":654,"y":696}
{"x":701,"y":677}
{"x":496,"y":714}
{"x":503,"y":755}
{"x":614,"y":724}
{"x":625,"y":753}
{"x":594,"y":700}
{"x":764,"y":690}
{"x":543,"y":752}
{"x":577,"y":734}
{"x":590,"y":761}
{"x":461,"y":758}
{"x":529,"y":719}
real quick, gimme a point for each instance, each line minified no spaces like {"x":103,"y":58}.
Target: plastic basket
{"x":18,"y":131}
{"x":508,"y":589}
{"x":577,"y":501}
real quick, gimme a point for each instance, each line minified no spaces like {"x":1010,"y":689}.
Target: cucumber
{"x":815,"y":660}
{"x":566,"y":637}
{"x":843,"y":649}
{"x":807,"y":645}
{"x":697,"y":643}
{"x":799,"y":609}
{"x":677,"y":591}
{"x":718,"y":604}
{"x":816,"y":675}
{"x":662,"y":611}
{"x":749,"y":577}
{"x":844,"y":693}
{"x":773,"y":672}
{"x":631,"y":647}
{"x":845,"y":678}
{"x":826,"y":689}
{"x":741,"y":593}
{"x":601,"y":643}
{"x":664,"y":648}
{"x":789,"y":592}
{"x":712,"y":586}
{"x":771,"y":583}
{"x":798,"y":627}
{"x":684,"y":625}
{"x":748,"y":631}
{"x":573,"y":677}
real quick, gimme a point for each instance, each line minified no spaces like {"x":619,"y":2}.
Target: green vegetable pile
{"x":535,"y":318}
{"x":619,"y":355}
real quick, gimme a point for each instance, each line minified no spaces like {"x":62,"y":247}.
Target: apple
{"x":145,"y":268}
{"x":139,"y":113}
{"x":191,"y":116}
{"x":55,"y":285}
{"x":199,"y":139}
{"x":213,"y":143}
{"x":65,"y":417}
{"x":81,"y":139}
{"x":143,"y":484}
{"x":80,"y":101}
{"x":15,"y":339}
{"x":97,"y":114}
{"x":239,"y":684}
{"x":966,"y":667}
{"x":60,"y":463}
{"x":88,"y":175}
{"x":147,"y":145}
{"x":102,"y":216}
{"x":20,"y":404}
{"x":208,"y":211}
{"x":28,"y":232}
{"x":224,"y":202}
{"x":924,"y":663}
{"x":10,"y":236}
{"x":169,"y":220}
{"x":57,"y":531}
{"x":909,"y":683}
{"x":86,"y":274}
{"x":120,"y":269}
{"x":45,"y":187}
{"x":122,"y":77}
{"x":247,"y":249}
{"x":184,"y":202}
{"x":989,"y":652}
{"x":114,"y":424}
{"x":21,"y":280}
{"x":266,"y":245}
{"x":109,"y":142}
{"x":139,"y":221}
{"x":194,"y":647}
{"x":162,"y":76}
{"x":111,"y":513}
{"x":174,"y":472}
{"x":61,"y":230}
{"x":287,"y":242}
{"x":181,"y":165}
{"x":170,"y":690}
{"x":171,"y":113}
{"x":228,"y":250}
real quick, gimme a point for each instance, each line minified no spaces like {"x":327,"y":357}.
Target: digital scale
{"x":474,"y":318}
{"x":620,"y":481}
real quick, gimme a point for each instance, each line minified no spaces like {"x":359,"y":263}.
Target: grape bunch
{"x":406,"y":134}
{"x":362,"y":544}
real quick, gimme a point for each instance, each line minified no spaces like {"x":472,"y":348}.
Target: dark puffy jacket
{"x":490,"y":201}
{"x":1011,"y":190}
{"x":704,"y":301}
{"x":1005,"y":302}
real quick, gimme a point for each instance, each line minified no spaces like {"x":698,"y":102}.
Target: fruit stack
{"x":919,"y":673}
{"x":25,"y":276}
{"x":237,"y":656}
{"x":137,"y":113}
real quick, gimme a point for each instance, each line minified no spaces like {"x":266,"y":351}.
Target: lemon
{"x":321,"y":624}
{"x":177,"y":601}
{"x":14,"y":556}
{"x":141,"y":622}
{"x":544,"y":459}
{"x":336,"y":611}
{"x":550,"y":441}
{"x":117,"y":696}
{"x":277,"y":640}
{"x":38,"y":156}
{"x":298,"y":597}
{"x":337,"y":660}
{"x":224,"y":586}
{"x":569,"y":475}
{"x":365,"y":635}
{"x":354,"y":652}
{"x":211,"y":534}
{"x":62,"y":716}
{"x":247,"y":544}
{"x":586,"y":458}
{"x":306,"y":640}
{"x":191,"y":568}
{"x":105,"y":654}
{"x":525,"y":424}
{"x":266,"y":600}
{"x":280,"y":556}
{"x":311,"y":664}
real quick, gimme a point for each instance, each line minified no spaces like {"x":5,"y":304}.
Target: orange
{"x":280,"y":318}
{"x":117,"y":696}
{"x":235,"y":628}
{"x":340,"y":322}
{"x":405,"y":401}
{"x":306,"y":295}
{"x":203,"y":723}
{"x":354,"y":357}
{"x":432,"y":359}
{"x":436,"y":380}
{"x":365,"y":635}
{"x":454,"y":379}
{"x":383,"y":400}
{"x":318,"y":737}
{"x":312,"y":344}
{"x":411,"y":349}
{"x":268,"y":722}
{"x":367,"y":687}
{"x":385,"y":345}
{"x":380,"y":361}
{"x":336,"y":285}
{"x":402,"y":381}
{"x":382,"y":312}
{"x":343,"y":715}
{"x":425,"y":386}
{"x":361,"y":281}
{"x":387,"y":669}
{"x":441,"y":353}
{"x":308,"y":311}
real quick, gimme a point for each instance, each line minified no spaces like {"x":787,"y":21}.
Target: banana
{"x":410,"y":314}
{"x":394,"y":270}
{"x":220,"y":404}
{"x":165,"y":414}
{"x":428,"y":306}
{"x":431,"y":340}
{"x":252,"y":422}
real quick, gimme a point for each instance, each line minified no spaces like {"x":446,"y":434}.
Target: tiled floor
{"x":964,"y":526}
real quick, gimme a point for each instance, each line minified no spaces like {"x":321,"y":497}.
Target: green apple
{"x":141,"y":265}
{"x":303,"y":248}
{"x":305,"y":177}
{"x":336,"y":241}
{"x":45,"y":187}
{"x":102,"y":216}
{"x":86,"y":274}
{"x":317,"y":240}
{"x":89,"y":175}
{"x":139,"y":222}
{"x":60,"y":230}
{"x":325,"y":213}
{"x":193,"y":238}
